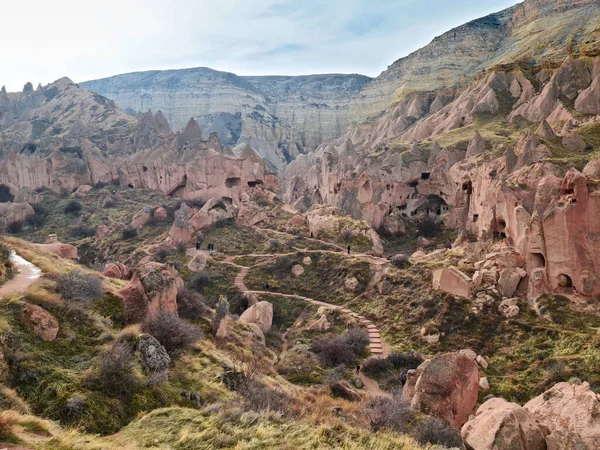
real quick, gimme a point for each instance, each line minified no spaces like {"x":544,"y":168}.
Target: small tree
{"x":221,"y":312}
{"x":437,"y":432}
{"x":389,"y":413}
{"x":119,"y":374}
{"x":191,"y":305}
{"x":73,"y":207}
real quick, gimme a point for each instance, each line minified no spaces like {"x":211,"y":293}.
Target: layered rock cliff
{"x":279,"y":116}
{"x":61,"y":137}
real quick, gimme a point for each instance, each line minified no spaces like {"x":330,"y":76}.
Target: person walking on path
{"x":358,"y":369}
{"x":348,"y":249}
{"x":197,"y":245}
{"x":267,"y":286}
{"x":403,"y":378}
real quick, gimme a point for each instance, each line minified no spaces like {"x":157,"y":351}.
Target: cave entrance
{"x":475,"y":218}
{"x":425,"y":176}
{"x":5,"y":195}
{"x":500,"y":232}
{"x":468,"y":187}
{"x":538,"y":261}
{"x":317,"y":199}
{"x":232,"y":182}
{"x":255,"y":183}
{"x":565,"y":283}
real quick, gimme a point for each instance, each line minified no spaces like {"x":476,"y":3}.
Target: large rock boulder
{"x":574,"y":407}
{"x":562,"y":439}
{"x":181,"y":230}
{"x":141,"y":218}
{"x":452,"y":281}
{"x":154,"y":355}
{"x":260,"y":314}
{"x":508,"y":282}
{"x":499,"y":425}
{"x":40,"y":321}
{"x":111,"y":270}
{"x":448,"y":388}
{"x":160,"y":214}
{"x":15,"y":212}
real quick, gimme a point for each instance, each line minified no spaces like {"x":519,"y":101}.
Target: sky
{"x":41,"y":41}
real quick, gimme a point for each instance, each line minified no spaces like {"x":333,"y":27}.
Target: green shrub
{"x":129,"y":233}
{"x":76,"y":286}
{"x":118,"y":372}
{"x":437,"y":432}
{"x":171,"y":331}
{"x":73,"y":207}
{"x":15,"y":227}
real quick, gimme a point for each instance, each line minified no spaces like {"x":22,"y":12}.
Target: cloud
{"x":41,"y":42}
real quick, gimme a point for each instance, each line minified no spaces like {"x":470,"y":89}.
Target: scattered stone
{"x":160,"y":214}
{"x":499,"y":424}
{"x":101,"y":232}
{"x":482,"y":362}
{"x":40,"y":321}
{"x":307,"y":260}
{"x":385,"y":287}
{"x":509,"y":308}
{"x":321,"y":324}
{"x":112,"y":271}
{"x":297,"y":270}
{"x":351,"y":284}
{"x":484,"y":385}
{"x":468,"y":353}
{"x":508,"y":282}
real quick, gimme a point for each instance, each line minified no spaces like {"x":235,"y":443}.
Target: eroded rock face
{"x":260,"y":314}
{"x":41,"y":321}
{"x":153,"y":287}
{"x":448,"y":388}
{"x":574,"y":407}
{"x":452,"y":281}
{"x":63,"y":250}
{"x":499,"y":424}
{"x":15,"y":212}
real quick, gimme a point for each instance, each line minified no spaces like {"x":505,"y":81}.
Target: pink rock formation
{"x":499,"y":424}
{"x":453,"y":281}
{"x":83,"y":190}
{"x":15,"y":212}
{"x":63,"y":250}
{"x":574,"y":407}
{"x":261,"y":314}
{"x":153,"y":287}
{"x":160,"y":214}
{"x":141,"y":218}
{"x":41,"y":321}
{"x":448,"y":388}
{"x":112,"y":271}
{"x":101,"y":232}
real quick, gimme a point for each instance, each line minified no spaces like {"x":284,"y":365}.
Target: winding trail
{"x":375,"y":344}
{"x":27,"y":274}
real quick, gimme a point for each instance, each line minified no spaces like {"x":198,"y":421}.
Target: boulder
{"x":198,"y":262}
{"x":574,"y":407}
{"x":15,"y":212}
{"x":563,"y":439}
{"x":322,"y":224}
{"x":384,"y":287}
{"x":412,"y":376}
{"x":141,"y":218}
{"x":181,"y":230}
{"x":112,"y":271}
{"x":572,"y":140}
{"x":154,"y":355}
{"x":500,"y":425}
{"x":482,"y":362}
{"x":484,"y":384}
{"x":101,"y":232}
{"x":297,"y":270}
{"x":452,"y":281}
{"x":448,"y":388}
{"x":27,"y":195}
{"x":83,"y":190}
{"x":40,"y":321}
{"x":260,"y":314}
{"x":160,"y":214}
{"x":256,"y":333}
{"x":468,"y":353}
{"x":509,"y":308}
{"x":350,"y":284}
{"x":508,"y":282}
{"x":307,"y":260}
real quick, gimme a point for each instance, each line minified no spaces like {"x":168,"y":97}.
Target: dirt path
{"x":375,"y":344}
{"x":27,"y":274}
{"x":371,"y":387}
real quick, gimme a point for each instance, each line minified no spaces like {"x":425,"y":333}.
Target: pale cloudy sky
{"x":41,"y":41}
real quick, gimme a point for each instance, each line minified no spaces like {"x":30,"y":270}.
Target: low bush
{"x":437,"y":432}
{"x":119,"y":373}
{"x":7,"y":421}
{"x":171,"y":331}
{"x":129,"y":233}
{"x":73,"y":207}
{"x":428,"y":227}
{"x":15,"y":227}
{"x":191,"y":305}
{"x":81,"y":231}
{"x":257,"y":396}
{"x":79,"y":287}
{"x":333,"y":352}
{"x":357,"y":340}
{"x":389,"y":413}
{"x":162,"y":254}
{"x":396,"y":362}
{"x":181,"y":247}
{"x":199,"y":281}
{"x":39,"y":216}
